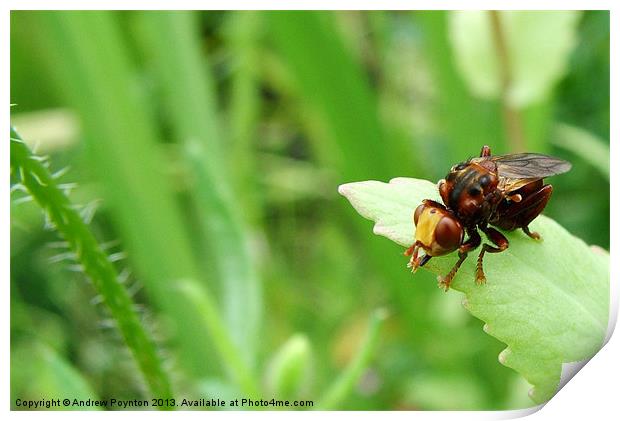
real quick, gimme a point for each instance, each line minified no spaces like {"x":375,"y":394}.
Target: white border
{"x":593,"y":392}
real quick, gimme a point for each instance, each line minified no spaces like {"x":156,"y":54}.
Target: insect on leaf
{"x":547,"y":300}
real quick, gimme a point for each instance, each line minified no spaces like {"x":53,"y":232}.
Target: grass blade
{"x":583,"y":144}
{"x":464,"y":120}
{"x":95,"y":73}
{"x":343,"y":385}
{"x":334,"y":86}
{"x":190,"y":101}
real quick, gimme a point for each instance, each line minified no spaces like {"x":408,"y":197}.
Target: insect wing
{"x":529,"y":166}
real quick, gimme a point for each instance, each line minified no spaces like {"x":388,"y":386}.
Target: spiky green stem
{"x":67,"y":221}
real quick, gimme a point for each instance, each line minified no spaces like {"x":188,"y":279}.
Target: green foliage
{"x":90,"y":57}
{"x":289,"y":369}
{"x":46,"y":373}
{"x":334,"y":87}
{"x":213,"y":143}
{"x":461,"y":115}
{"x":548,"y":301}
{"x":584,"y":145}
{"x":37,"y":180}
{"x":345,"y":382}
{"x":428,"y":391}
{"x":172,"y":41}
{"x":535,"y":64}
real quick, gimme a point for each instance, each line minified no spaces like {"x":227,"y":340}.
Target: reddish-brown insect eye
{"x":418,"y":212}
{"x":448,"y":233}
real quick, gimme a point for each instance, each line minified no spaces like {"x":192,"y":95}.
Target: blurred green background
{"x":211,"y":145}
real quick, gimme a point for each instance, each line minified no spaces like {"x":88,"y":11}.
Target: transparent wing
{"x":530,"y":166}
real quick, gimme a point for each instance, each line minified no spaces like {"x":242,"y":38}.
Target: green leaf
{"x":548,"y":301}
{"x":584,"y":144}
{"x":290,"y":368}
{"x":538,"y":44}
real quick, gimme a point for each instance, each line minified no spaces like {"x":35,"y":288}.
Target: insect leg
{"x":536,"y":204}
{"x":534,"y":235}
{"x":502,"y":244}
{"x":486,"y":151}
{"x":409,"y":251}
{"x":412,"y":251}
{"x":444,"y":281}
{"x":471,"y":243}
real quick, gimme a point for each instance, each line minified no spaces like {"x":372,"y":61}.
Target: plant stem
{"x":342,"y":386}
{"x":226,"y":349}
{"x":512,"y":116}
{"x":67,"y":221}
